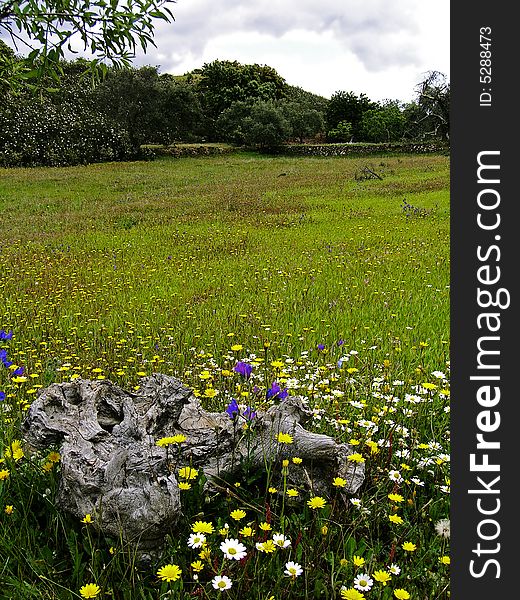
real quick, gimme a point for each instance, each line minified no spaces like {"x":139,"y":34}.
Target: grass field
{"x":305,"y":268}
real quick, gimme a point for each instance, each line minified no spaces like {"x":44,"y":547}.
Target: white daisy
{"x":196,"y":540}
{"x":233,"y":549}
{"x":395,"y":476}
{"x":280,"y":540}
{"x":363,"y":582}
{"x":221,"y":582}
{"x":293,"y":569}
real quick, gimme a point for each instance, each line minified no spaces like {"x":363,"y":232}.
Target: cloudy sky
{"x":377,"y":47}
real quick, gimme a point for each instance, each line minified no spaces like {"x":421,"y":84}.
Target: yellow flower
{"x":395,"y":497}
{"x":174,"y":439}
{"x":188,"y":473}
{"x":316,"y":502}
{"x":205,"y":554}
{"x":267,"y":546}
{"x":374,"y":448}
{"x":265,"y":526}
{"x":237,"y":514}
{"x":247,"y":531}
{"x":339,"y":482}
{"x":445,"y":560}
{"x":382,"y":576}
{"x":401,"y":594}
{"x":396,"y":519}
{"x":169,"y":572}
{"x":237,"y":347}
{"x":351,"y":594}
{"x":48,"y":466}
{"x":17,"y":451}
{"x":297,"y":461}
{"x":87,"y":518}
{"x":202,"y":527}
{"x":285,"y":463}
{"x":429,"y":386}
{"x":4,"y":474}
{"x":90,"y":590}
{"x":197,"y":566}
{"x":285,"y":438}
{"x":184,"y":485}
{"x":9,"y":509}
{"x":409,"y":547}
{"x":292,"y":493}
{"x":272,"y":490}
{"x":54,"y":457}
{"x":356,"y":457}
{"x":358,"y":561}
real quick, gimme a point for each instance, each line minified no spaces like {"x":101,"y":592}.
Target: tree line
{"x":74,"y":118}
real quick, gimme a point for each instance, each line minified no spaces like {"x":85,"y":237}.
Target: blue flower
{"x":340,"y":342}
{"x":2,"y":396}
{"x":249,"y":413}
{"x":321,"y":347}
{"x":275,"y":391}
{"x":18,"y":371}
{"x":243,"y":368}
{"x":3,"y":358}
{"x":4,"y":335}
{"x":232,"y":409}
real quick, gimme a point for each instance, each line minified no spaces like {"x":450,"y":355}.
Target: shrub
{"x":36,"y":132}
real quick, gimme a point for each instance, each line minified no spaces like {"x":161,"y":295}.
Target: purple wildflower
{"x":249,"y":413}
{"x":232,"y":409}
{"x":2,"y":396}
{"x":275,"y":391}
{"x":340,"y":342}
{"x":321,"y":347}
{"x":6,"y":335}
{"x":18,"y":371}
{"x":3,"y":358}
{"x":243,"y":368}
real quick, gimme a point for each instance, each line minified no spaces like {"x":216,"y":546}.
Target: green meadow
{"x":330,"y":281}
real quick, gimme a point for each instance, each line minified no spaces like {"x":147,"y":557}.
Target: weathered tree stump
{"x":112,"y":468}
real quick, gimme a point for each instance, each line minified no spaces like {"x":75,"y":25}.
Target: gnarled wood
{"x":112,"y":468}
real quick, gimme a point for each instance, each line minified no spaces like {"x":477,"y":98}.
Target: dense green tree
{"x":221,"y":83}
{"x":181,"y":112}
{"x":346,"y":106}
{"x":131,"y":97}
{"x":304,"y":122}
{"x":306,"y":99}
{"x":109,"y":30}
{"x":341,"y":133}
{"x":383,"y":124}
{"x":261,"y":124}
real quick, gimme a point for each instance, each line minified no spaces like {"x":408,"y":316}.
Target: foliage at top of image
{"x":44,"y":29}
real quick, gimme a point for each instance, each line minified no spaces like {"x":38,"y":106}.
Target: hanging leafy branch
{"x":109,"y":30}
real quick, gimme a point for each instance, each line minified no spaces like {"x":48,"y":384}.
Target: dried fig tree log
{"x":112,"y":468}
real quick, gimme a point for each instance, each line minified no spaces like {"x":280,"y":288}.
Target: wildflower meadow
{"x":250,"y":278}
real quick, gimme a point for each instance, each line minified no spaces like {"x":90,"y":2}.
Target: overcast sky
{"x":377,"y":47}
